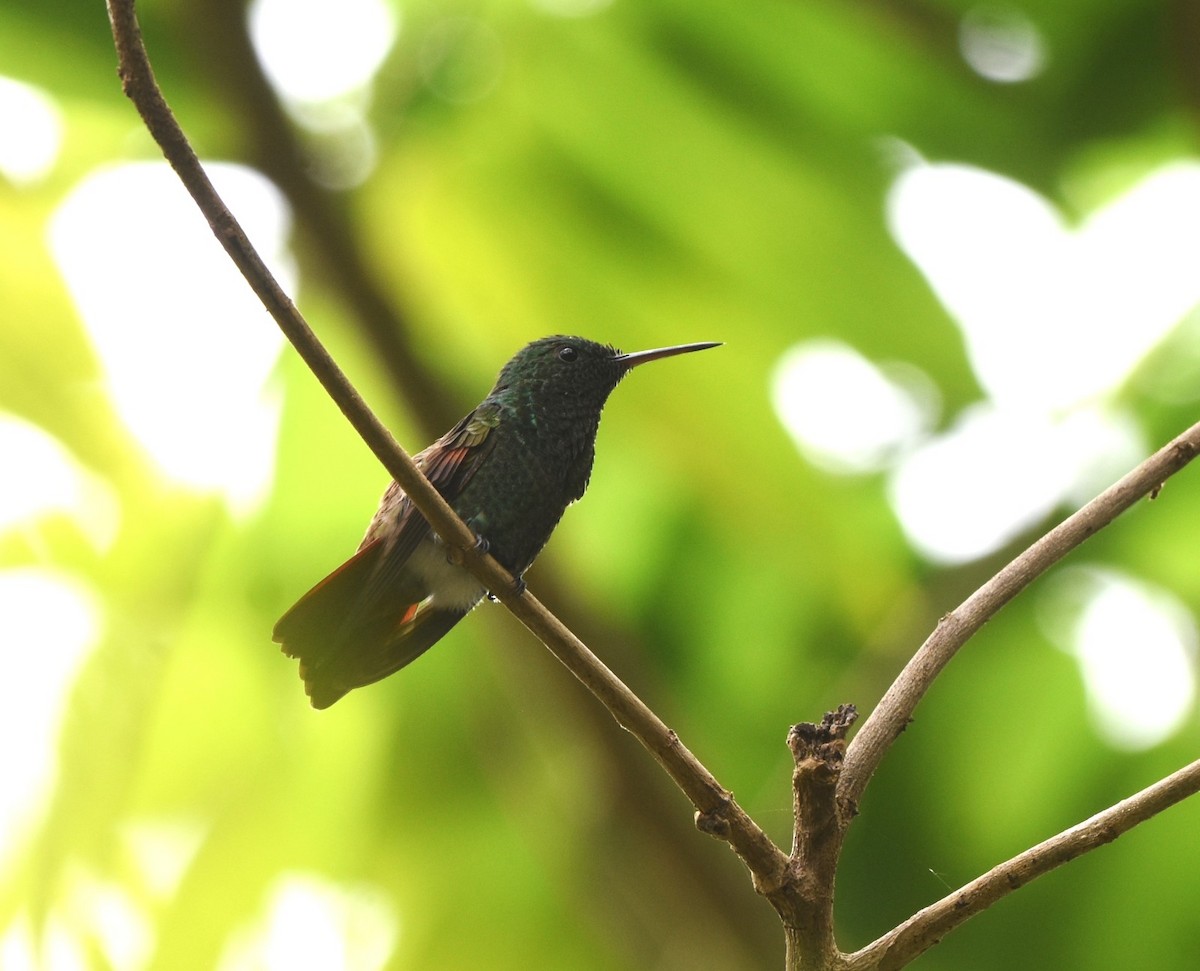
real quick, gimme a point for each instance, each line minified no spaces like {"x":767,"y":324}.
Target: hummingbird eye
{"x":567,"y":353}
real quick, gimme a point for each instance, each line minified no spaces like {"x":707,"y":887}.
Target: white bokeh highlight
{"x":322,"y":60}
{"x":186,"y":347}
{"x":51,"y":481}
{"x":1001,"y":44}
{"x":314,"y":52}
{"x":312,"y":922}
{"x":33,"y":132}
{"x":52,"y":622}
{"x":997,"y":472}
{"x":877,"y":415}
{"x":1136,"y":648}
{"x":1055,"y":319}
{"x":162,"y":850}
{"x":1053,"y":315}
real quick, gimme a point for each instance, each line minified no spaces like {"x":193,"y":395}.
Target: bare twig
{"x":924,"y":929}
{"x":717,"y":812}
{"x":895,"y":710}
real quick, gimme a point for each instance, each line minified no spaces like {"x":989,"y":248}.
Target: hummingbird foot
{"x":518,"y":588}
{"x":454,"y":554}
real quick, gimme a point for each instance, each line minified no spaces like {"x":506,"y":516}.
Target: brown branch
{"x":817,"y":829}
{"x":717,"y":812}
{"x":924,"y":929}
{"x":895,"y":710}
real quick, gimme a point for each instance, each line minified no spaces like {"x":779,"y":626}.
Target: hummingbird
{"x":509,"y":469}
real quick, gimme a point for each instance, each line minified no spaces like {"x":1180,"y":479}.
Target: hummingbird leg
{"x":481,"y":543}
{"x":455,"y":555}
{"x":518,"y":589}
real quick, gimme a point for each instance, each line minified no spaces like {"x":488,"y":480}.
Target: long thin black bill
{"x":642,"y":357}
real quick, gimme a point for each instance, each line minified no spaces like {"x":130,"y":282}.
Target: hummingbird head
{"x":562,"y":373}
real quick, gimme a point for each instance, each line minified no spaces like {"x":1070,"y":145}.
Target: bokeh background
{"x":952,"y":249}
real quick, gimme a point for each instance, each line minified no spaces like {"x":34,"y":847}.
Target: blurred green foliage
{"x":644,"y":174}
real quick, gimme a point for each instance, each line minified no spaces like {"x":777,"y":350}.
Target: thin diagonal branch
{"x":895,"y":710}
{"x":717,"y":812}
{"x":924,"y":929}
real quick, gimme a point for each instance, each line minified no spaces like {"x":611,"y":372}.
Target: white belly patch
{"x":453,"y":587}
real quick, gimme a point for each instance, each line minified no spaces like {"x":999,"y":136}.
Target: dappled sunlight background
{"x":952,"y":254}
{"x":164,"y":308}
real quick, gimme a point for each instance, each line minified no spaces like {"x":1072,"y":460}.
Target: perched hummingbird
{"x":509,"y":469}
